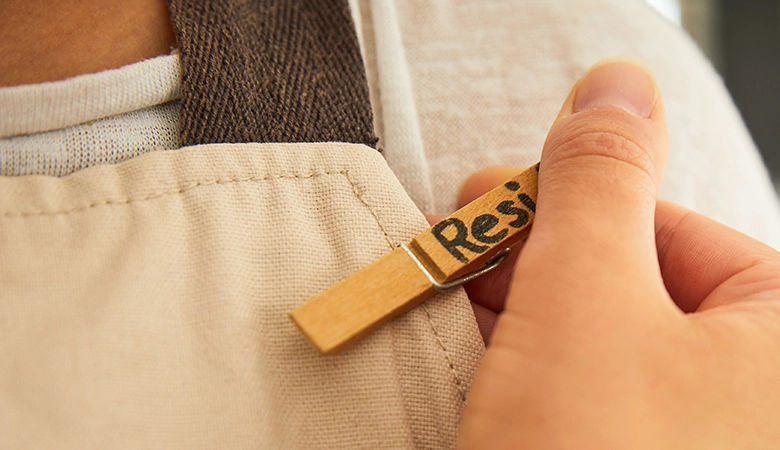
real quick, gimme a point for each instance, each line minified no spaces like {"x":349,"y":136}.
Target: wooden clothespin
{"x":472,"y":241}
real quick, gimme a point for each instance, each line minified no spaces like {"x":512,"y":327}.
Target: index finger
{"x":706,"y":264}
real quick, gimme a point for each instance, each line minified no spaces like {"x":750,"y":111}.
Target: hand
{"x":629,"y":323}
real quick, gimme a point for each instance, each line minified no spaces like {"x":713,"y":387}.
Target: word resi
{"x":483,"y":224}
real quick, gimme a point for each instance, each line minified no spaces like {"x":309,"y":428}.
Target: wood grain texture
{"x":362,"y":302}
{"x":459,"y":244}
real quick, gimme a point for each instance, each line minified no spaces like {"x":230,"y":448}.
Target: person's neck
{"x":42,"y":40}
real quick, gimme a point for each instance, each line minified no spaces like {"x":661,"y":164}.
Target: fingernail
{"x":616,"y":85}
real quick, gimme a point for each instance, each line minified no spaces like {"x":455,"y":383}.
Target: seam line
{"x":359,"y":195}
{"x":188,"y":187}
{"x":458,"y":381}
{"x":439,"y":340}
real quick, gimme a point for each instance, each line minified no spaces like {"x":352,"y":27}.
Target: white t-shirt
{"x":103,"y":118}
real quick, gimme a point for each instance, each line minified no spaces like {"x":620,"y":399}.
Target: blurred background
{"x":742,"y":39}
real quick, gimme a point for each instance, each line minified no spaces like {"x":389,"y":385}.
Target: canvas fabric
{"x":144,"y":305}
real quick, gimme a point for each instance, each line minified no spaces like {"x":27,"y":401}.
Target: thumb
{"x":600,"y":172}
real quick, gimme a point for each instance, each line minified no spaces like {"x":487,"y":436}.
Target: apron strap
{"x":271,"y":71}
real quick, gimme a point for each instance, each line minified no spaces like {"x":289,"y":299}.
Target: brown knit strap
{"x":271,"y":71}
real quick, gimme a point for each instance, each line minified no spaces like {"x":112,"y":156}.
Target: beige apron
{"x":144,"y":305}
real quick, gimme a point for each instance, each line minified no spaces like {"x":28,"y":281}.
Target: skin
{"x":42,"y":40}
{"x":628,"y":322}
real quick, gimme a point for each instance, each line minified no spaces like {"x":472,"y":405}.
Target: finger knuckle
{"x":611,"y":146}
